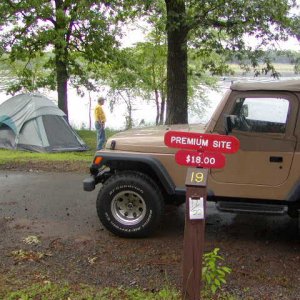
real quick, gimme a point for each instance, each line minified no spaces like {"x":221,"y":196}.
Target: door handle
{"x":276,"y":159}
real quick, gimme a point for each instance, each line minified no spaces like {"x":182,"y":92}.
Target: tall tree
{"x":122,"y":77}
{"x":177,"y":32}
{"x":219,"y":26}
{"x":150,"y":66}
{"x":152,"y":56}
{"x":73,"y":30}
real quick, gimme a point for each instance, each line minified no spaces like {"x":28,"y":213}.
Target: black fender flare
{"x":112,"y":160}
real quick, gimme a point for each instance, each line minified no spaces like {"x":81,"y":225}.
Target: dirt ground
{"x":262,"y":251}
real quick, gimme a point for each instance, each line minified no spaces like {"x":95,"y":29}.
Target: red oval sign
{"x":202,"y":141}
{"x":208,"y":160}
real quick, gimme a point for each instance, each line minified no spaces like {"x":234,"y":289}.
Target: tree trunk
{"x":157,"y":107}
{"x":61,"y":57}
{"x":62,"y":85}
{"x":162,"y":108}
{"x":90,"y":111}
{"x":129,"y":121}
{"x":177,"y":99}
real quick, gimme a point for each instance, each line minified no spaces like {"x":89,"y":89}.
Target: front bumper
{"x":89,"y":183}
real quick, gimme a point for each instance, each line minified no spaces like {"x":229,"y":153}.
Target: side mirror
{"x":245,"y":110}
{"x":230,"y":123}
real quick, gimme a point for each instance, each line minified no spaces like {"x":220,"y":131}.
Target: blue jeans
{"x":100,"y":135}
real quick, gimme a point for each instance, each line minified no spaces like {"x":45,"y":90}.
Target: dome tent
{"x":32,"y":122}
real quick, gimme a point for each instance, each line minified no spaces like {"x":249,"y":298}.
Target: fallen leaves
{"x":92,"y":260}
{"x":31,"y":240}
{"x":24,"y":255}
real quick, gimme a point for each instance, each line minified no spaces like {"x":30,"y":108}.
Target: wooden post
{"x":208,"y":154}
{"x":194,"y":232}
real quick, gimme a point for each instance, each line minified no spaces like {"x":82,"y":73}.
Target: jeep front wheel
{"x":130,"y":204}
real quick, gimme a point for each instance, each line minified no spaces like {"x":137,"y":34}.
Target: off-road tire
{"x":130,"y":204}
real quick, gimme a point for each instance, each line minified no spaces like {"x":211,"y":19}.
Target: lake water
{"x":142,"y":110}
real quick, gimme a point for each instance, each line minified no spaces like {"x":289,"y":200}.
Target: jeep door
{"x":264,"y":122}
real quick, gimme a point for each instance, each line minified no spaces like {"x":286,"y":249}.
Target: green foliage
{"x":137,"y":294}
{"x":136,"y":72}
{"x":47,"y":45}
{"x":51,"y":291}
{"x":222,"y":27}
{"x":122,"y":77}
{"x":73,"y":31}
{"x":216,"y":30}
{"x":213,"y":274}
{"x":44,"y":291}
{"x":295,"y":59}
{"x":89,"y":137}
{"x":21,"y":157}
{"x":27,"y":76}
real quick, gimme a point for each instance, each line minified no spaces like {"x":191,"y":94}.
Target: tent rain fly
{"x":32,"y":122}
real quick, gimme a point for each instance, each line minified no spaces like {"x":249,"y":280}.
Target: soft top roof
{"x":292,"y":85}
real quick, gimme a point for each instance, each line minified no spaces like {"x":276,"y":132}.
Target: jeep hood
{"x":149,"y":139}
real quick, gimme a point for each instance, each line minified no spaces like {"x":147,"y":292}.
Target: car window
{"x":261,"y":114}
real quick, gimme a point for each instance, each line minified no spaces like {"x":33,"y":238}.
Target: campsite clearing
{"x":79,"y":256}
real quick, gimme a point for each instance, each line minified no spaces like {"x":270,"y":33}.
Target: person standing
{"x":100,"y":120}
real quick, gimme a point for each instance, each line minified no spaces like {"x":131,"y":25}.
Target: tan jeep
{"x":139,"y":174}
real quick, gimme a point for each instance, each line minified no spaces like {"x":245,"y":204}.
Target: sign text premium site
{"x":202,"y":141}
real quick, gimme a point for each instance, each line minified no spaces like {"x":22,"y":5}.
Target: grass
{"x":8,"y":156}
{"x":51,"y":291}
{"x":14,"y":289}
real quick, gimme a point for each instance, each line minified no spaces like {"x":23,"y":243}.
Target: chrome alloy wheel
{"x":128,"y":207}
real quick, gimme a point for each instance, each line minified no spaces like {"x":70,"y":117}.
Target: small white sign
{"x":196,"y":208}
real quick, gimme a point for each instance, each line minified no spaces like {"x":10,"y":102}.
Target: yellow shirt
{"x":99,"y":114}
